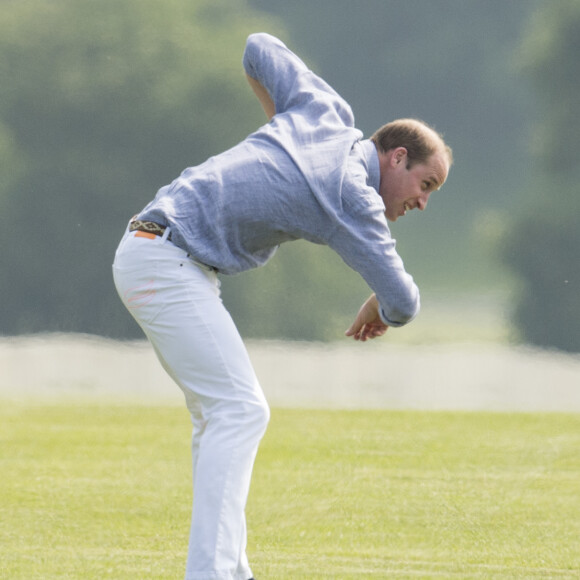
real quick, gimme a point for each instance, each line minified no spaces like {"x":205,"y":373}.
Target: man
{"x":306,"y":174}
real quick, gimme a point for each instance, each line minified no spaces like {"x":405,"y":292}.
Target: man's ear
{"x":393,"y":159}
{"x":399,"y":156}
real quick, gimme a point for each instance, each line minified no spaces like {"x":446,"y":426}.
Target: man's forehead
{"x":437,"y":167}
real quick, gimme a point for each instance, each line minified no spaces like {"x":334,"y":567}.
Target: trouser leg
{"x":178,"y":307}
{"x":226,"y":434}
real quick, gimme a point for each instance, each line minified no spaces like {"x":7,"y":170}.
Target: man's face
{"x":404,"y":189}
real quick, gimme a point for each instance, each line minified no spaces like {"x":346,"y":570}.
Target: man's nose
{"x":422,"y":201}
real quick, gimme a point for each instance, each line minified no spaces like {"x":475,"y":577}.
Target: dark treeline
{"x":102,"y":103}
{"x":543,"y":245}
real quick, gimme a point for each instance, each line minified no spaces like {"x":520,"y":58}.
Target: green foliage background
{"x":101,"y":103}
{"x":543,"y":246}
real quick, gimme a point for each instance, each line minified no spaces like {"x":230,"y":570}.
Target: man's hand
{"x":368,"y":323}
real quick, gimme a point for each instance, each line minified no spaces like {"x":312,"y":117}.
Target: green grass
{"x":103,"y":492}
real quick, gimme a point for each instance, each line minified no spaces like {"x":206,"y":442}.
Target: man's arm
{"x":368,"y":323}
{"x":364,"y":242}
{"x":269,"y":62}
{"x":263,"y":96}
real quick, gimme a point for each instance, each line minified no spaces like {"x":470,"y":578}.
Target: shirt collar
{"x":372,"y":159}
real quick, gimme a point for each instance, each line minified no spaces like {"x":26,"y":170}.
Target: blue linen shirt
{"x":307,"y":174}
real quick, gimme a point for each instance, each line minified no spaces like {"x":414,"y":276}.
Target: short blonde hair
{"x":417,"y":137}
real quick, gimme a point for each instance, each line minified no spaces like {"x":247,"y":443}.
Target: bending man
{"x":307,"y":174}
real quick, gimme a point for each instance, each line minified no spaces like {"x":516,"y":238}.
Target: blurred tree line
{"x":543,"y":246}
{"x":101,"y":103}
{"x":104,"y":102}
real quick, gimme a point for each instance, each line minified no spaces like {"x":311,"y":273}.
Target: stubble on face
{"x":406,"y":188}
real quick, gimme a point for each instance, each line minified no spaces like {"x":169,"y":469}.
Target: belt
{"x":159,"y":230}
{"x":148,"y":227}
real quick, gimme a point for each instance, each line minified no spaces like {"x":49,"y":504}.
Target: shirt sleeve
{"x":368,"y":248}
{"x":289,"y":82}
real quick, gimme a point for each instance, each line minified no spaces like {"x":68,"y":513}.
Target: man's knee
{"x":244,"y":419}
{"x":257,"y":417}
{"x":264,"y":415}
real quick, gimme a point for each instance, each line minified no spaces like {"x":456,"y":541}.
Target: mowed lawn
{"x":99,"y":491}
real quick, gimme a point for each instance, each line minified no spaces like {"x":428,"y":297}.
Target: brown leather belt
{"x":148,"y":227}
{"x":154,"y":229}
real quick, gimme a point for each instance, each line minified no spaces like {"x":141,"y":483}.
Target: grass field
{"x":103,"y":492}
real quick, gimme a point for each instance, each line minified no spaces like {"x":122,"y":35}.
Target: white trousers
{"x":177,"y":304}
